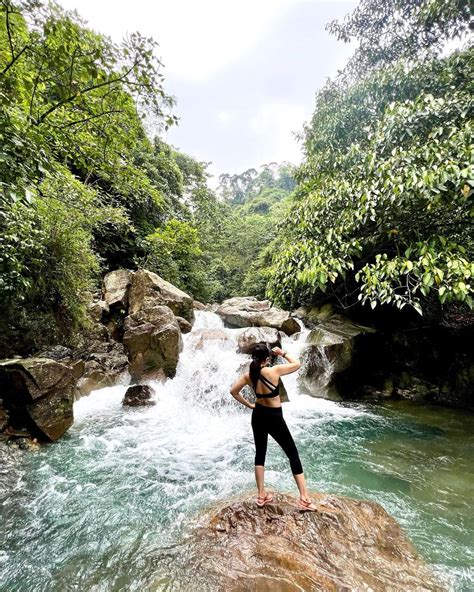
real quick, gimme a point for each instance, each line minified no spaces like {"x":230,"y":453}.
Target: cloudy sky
{"x":243,"y":72}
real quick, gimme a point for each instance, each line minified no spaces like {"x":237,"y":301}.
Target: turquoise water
{"x":107,"y":507}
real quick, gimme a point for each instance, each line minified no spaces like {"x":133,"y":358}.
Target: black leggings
{"x":269,"y":420}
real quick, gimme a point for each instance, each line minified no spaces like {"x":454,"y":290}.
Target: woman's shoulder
{"x":270,"y":372}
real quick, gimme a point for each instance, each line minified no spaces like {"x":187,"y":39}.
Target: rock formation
{"x":247,"y":311}
{"x":115,"y":288}
{"x":346,"y":545}
{"x":37,"y":396}
{"x":248,"y":338}
{"x":431,"y":363}
{"x":328,"y":353}
{"x":138,"y":395}
{"x":153,"y":340}
{"x":148,"y":289}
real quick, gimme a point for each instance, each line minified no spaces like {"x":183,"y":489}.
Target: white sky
{"x":244,"y":72}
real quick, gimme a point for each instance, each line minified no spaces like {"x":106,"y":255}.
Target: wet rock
{"x":249,"y":337}
{"x":115,"y":288}
{"x":346,"y":545}
{"x":153,"y":341}
{"x":198,"y":305}
{"x":184,"y":325}
{"x":3,"y":418}
{"x":138,"y":395}
{"x":149,"y":290}
{"x":78,"y":368}
{"x":312,"y":316}
{"x":328,"y":353}
{"x":247,"y":311}
{"x":203,"y":335}
{"x":30,"y":444}
{"x":38,"y":394}
{"x":59,"y":353}
{"x":105,"y":364}
{"x":432,"y":364}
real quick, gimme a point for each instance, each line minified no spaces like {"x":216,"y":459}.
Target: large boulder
{"x":153,"y":341}
{"x":347,"y":544}
{"x":115,"y":288}
{"x":148,"y":290}
{"x":247,"y":311}
{"x":328,"y":352}
{"x":429,"y":364}
{"x":38,"y":394}
{"x":253,"y":335}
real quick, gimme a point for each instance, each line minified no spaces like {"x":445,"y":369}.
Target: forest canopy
{"x":380,"y":211}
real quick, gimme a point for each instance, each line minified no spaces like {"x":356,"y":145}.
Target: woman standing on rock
{"x":267,"y":417}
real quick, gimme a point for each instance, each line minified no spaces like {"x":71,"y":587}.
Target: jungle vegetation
{"x":379,"y":212}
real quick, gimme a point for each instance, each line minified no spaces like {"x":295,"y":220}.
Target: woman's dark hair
{"x":260,"y":353}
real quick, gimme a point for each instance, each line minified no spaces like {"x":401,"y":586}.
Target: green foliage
{"x":387,"y":32}
{"x":256,"y":202}
{"x":383,"y":213}
{"x":172,"y":253}
{"x":81,"y":184}
{"x":47,"y":263}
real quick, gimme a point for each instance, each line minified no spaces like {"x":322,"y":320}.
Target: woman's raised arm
{"x":281,"y":369}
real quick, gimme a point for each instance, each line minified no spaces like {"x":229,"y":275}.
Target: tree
{"x":81,"y":184}
{"x":388,"y":31}
{"x":383,"y":211}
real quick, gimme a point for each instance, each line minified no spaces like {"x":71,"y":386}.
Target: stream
{"x":106,"y":508}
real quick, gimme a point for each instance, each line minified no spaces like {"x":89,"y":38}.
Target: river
{"x":106,"y":508}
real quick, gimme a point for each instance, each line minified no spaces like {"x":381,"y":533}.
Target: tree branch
{"x":86,"y":119}
{"x":14,"y":60}
{"x":10,"y":41}
{"x":84,"y":91}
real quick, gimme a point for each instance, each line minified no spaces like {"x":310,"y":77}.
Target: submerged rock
{"x":138,"y":395}
{"x":38,"y":394}
{"x":346,"y":545}
{"x":204,"y":335}
{"x":247,"y":311}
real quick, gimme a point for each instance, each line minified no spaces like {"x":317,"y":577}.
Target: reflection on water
{"x":106,"y":507}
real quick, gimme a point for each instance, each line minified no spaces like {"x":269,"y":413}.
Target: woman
{"x":267,"y":418}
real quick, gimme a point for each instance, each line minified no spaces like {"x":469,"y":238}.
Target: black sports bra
{"x":273,"y":393}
